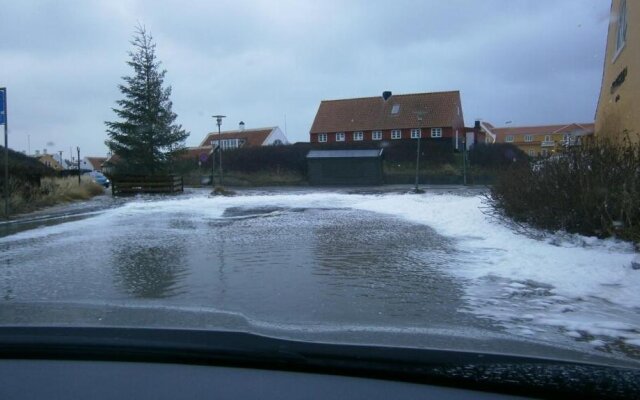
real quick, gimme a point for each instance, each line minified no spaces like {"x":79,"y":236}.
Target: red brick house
{"x":389,"y":117}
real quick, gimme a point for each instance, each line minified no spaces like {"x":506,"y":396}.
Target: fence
{"x":123,"y":185}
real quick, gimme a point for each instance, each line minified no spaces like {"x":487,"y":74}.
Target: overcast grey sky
{"x":526,"y":61}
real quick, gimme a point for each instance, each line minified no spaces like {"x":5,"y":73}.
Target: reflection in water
{"x":385,"y":265}
{"x":148,"y":269}
{"x":269,"y":262}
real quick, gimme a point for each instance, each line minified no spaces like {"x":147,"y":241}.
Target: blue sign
{"x":3,"y":106}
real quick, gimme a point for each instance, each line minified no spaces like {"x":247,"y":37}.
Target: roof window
{"x":395,"y":109}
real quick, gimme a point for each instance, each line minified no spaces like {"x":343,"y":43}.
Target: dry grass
{"x":52,"y":191}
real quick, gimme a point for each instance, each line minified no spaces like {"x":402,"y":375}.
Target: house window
{"x":395,"y":109}
{"x":528,"y":138}
{"x":358,"y":136}
{"x":396,"y":134}
{"x":508,"y":139}
{"x":547,"y":138}
{"x":532,"y":153}
{"x":376,"y":135}
{"x":436,"y":132}
{"x":621,"y":36}
{"x":229,"y":144}
{"x":544,"y":152}
{"x":416,"y":133}
{"x":340,"y":137}
{"x":322,"y":138}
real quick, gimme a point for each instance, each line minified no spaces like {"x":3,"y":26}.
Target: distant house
{"x":484,"y":131}
{"x":620,"y":91}
{"x":434,"y":116}
{"x":245,"y":138}
{"x":541,"y":140}
{"x":50,"y":161}
{"x":94,"y":163}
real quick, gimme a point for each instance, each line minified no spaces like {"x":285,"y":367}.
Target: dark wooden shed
{"x":345,"y":167}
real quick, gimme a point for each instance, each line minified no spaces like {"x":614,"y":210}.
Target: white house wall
{"x":276,"y":134}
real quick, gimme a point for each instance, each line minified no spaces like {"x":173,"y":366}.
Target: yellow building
{"x":49,"y":161}
{"x":541,"y":140}
{"x":619,"y":103}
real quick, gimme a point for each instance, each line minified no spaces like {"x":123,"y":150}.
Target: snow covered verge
{"x":584,"y":286}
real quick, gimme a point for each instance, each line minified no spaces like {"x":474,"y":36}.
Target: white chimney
{"x":241,"y":126}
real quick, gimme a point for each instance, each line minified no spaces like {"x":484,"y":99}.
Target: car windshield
{"x":456,"y":175}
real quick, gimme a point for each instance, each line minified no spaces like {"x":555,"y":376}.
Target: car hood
{"x":154,"y":316}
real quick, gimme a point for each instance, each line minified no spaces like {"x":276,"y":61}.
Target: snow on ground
{"x":584,"y":287}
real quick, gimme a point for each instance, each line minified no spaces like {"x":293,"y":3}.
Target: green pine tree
{"x":145,"y":137}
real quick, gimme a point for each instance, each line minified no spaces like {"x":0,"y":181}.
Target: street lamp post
{"x":78,"y":149}
{"x":4,"y":121}
{"x":219,"y":122}
{"x":419,"y":115}
{"x":418,"y":163}
{"x":213,"y":163}
{"x":464,"y":160}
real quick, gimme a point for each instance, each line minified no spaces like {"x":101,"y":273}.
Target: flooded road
{"x":313,"y":260}
{"x":285,"y":264}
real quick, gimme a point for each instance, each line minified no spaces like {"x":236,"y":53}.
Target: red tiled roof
{"x":542,"y":129}
{"x":96,"y":162}
{"x":252,"y":137}
{"x":439,"y":109}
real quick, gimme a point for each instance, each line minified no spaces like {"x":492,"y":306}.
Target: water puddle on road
{"x":286,"y":264}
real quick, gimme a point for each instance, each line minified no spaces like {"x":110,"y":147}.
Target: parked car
{"x":100,"y":179}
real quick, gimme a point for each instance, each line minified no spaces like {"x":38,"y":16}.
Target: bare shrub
{"x":592,"y":190}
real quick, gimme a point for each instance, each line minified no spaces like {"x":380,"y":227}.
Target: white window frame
{"x":228,"y":144}
{"x":322,"y":138}
{"x":531,"y":152}
{"x":358,"y":136}
{"x":395,"y":109}
{"x":528,"y":138}
{"x":376,"y":135}
{"x":436,"y":132}
{"x":509,"y":139}
{"x":547,"y":138}
{"x":416,"y":133}
{"x":396,"y":134}
{"x":544,"y":152}
{"x":340,"y":137}
{"x":621,"y":29}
